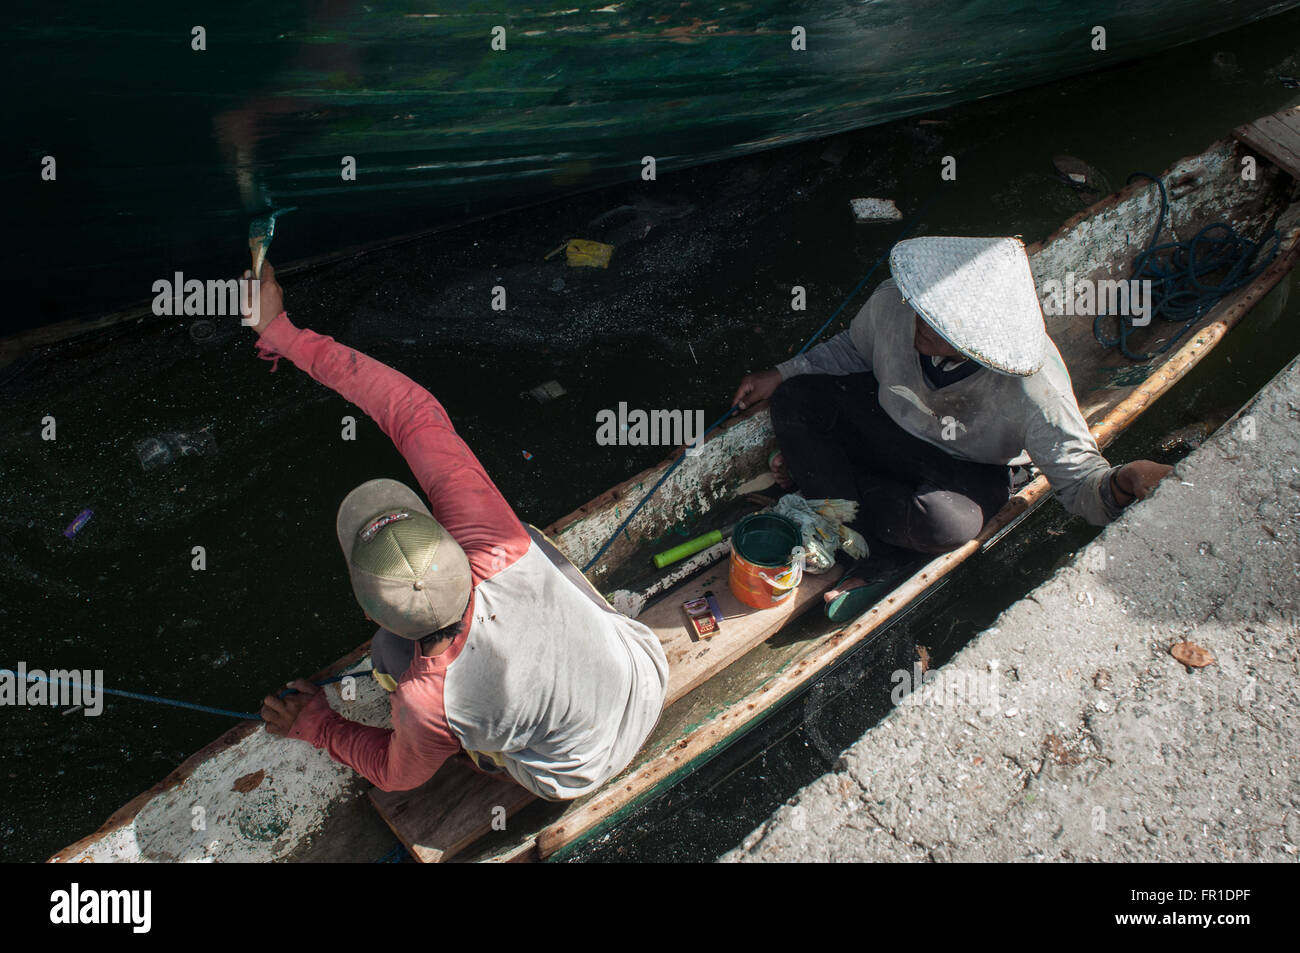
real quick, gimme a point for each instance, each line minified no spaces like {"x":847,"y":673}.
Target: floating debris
{"x":1090,"y":184}
{"x":155,"y":452}
{"x":637,"y":219}
{"x":1191,"y":437}
{"x":202,"y":331}
{"x":75,"y":526}
{"x":1225,"y":64}
{"x":875,"y":210}
{"x":545,"y":392}
{"x":585,"y":253}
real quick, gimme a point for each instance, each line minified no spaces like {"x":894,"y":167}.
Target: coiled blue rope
{"x":177,"y":703}
{"x":1179,"y":273}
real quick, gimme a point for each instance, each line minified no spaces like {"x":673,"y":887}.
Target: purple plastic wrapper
{"x":75,"y":526}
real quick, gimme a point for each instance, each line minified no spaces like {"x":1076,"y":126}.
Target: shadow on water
{"x":697,"y":293}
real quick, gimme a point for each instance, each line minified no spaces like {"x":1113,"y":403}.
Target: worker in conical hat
{"x":941,"y":393}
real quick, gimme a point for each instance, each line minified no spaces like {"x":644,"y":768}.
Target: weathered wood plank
{"x":449,"y":813}
{"x":693,"y":661}
{"x":1276,"y":138}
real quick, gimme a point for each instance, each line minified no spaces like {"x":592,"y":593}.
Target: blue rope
{"x":176,"y":703}
{"x":807,"y":344}
{"x":1178,"y":272}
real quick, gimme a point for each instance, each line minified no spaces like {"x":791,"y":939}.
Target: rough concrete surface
{"x":1068,"y":730}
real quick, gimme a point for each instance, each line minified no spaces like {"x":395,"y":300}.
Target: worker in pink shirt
{"x":491,"y":642}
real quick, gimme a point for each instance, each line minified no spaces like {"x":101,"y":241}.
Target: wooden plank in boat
{"x":693,"y":661}
{"x":449,"y":813}
{"x":1276,"y":138}
{"x":457,"y":805}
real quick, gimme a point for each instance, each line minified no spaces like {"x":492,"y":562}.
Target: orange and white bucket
{"x":767,"y":560}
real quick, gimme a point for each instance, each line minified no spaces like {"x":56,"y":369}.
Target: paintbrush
{"x":260,"y":232}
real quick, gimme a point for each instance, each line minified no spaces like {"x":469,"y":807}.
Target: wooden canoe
{"x":266,"y":799}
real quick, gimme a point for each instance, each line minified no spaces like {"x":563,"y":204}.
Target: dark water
{"x":684,"y":309}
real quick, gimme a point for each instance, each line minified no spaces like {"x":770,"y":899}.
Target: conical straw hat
{"x":979,"y":295}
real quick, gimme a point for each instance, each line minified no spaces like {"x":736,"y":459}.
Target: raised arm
{"x":461,"y":495}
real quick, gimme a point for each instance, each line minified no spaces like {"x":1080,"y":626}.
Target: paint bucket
{"x":766,"y":560}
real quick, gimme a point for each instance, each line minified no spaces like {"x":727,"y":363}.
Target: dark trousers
{"x":838,"y":442}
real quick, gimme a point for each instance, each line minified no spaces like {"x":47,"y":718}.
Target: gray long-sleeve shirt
{"x":986,"y":418}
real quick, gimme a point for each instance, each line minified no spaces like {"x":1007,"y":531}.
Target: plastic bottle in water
{"x":154,"y":452}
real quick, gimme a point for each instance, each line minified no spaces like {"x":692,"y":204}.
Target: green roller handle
{"x":688,"y":548}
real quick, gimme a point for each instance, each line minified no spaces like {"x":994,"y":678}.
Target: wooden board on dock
{"x":458,"y":805}
{"x":1276,"y":138}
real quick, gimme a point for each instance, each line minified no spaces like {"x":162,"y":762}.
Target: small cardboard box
{"x":704,"y":615}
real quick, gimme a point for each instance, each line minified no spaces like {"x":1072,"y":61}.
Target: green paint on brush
{"x":260,"y":232}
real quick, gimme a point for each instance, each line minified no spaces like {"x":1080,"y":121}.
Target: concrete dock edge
{"x":1068,"y":730}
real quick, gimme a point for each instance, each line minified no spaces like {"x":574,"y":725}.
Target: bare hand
{"x":756,"y":387}
{"x":1140,"y":477}
{"x":280,"y":713}
{"x":270,"y":300}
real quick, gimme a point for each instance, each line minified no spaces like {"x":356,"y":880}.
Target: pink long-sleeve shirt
{"x":546,"y":680}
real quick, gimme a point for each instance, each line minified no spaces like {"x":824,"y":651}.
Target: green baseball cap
{"x":407,"y":571}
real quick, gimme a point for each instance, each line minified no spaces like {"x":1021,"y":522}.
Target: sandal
{"x":877,"y":581}
{"x":851,"y":603}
